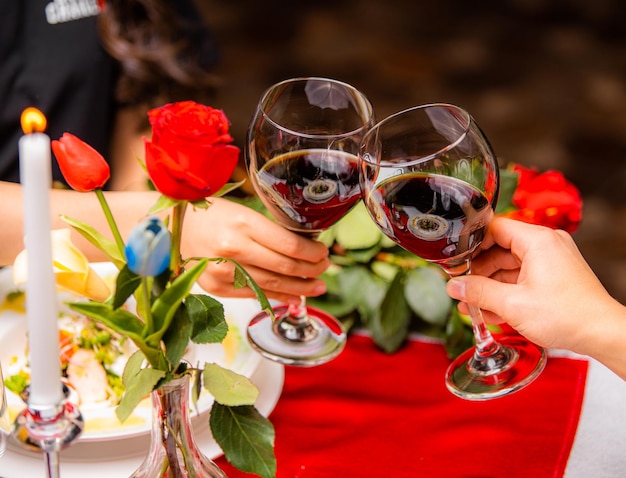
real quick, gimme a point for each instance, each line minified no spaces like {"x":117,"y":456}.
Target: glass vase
{"x":173,"y":450}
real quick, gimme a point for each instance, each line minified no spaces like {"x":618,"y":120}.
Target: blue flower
{"x":148,"y":248}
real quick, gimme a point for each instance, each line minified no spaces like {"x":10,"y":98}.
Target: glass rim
{"x":426,"y":157}
{"x":363,"y":102}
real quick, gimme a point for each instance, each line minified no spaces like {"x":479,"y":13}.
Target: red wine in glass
{"x":309,"y":190}
{"x":439,"y":218}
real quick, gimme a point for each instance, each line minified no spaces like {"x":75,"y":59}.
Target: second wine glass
{"x":430,"y":181}
{"x":301,"y":154}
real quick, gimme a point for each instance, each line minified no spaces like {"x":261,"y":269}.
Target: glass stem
{"x":298,"y":311}
{"x":51,"y":460}
{"x":485,"y":343}
{"x":295,"y":325}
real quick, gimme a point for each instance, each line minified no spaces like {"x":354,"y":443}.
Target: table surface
{"x":599,"y":448}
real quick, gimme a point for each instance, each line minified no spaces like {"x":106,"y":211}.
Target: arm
{"x":283,"y":263}
{"x":535,"y":279}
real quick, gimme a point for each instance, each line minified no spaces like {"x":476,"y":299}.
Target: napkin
{"x":369,"y":414}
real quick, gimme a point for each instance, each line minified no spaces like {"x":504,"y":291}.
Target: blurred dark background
{"x":545,"y":79}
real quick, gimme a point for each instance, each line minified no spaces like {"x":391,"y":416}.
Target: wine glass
{"x":301,"y":154}
{"x":430,"y":181}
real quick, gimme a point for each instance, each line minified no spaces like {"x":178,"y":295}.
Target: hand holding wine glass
{"x":430,"y":181}
{"x":301,"y":153}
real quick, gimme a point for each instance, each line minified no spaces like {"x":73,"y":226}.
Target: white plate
{"x":119,"y":458}
{"x":100,"y":421}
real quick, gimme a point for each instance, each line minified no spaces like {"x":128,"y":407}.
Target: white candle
{"x":41,"y":296}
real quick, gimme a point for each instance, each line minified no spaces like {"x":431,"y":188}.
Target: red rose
{"x":83,"y":167}
{"x":190,"y":156}
{"x":547,"y":199}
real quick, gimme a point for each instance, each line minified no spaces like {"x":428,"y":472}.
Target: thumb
{"x":480,"y":291}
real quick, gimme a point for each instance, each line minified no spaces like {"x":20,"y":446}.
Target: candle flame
{"x":33,"y":121}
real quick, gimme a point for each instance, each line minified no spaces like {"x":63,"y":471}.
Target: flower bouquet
{"x":189,"y":159}
{"x":375,"y":284}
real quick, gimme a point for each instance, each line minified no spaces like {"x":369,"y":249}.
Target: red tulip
{"x":83,"y":167}
{"x":190,"y":156}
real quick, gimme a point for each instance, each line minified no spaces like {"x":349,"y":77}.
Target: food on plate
{"x":92,"y":361}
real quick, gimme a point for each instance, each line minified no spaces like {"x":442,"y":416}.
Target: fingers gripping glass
{"x":429,"y":179}
{"x":301,"y":154}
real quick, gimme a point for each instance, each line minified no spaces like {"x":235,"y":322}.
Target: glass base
{"x":516,"y":364}
{"x":312,"y":340}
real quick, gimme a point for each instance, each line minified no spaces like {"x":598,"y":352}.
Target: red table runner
{"x":369,"y":414}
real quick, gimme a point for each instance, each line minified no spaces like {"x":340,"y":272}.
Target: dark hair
{"x":164,"y":48}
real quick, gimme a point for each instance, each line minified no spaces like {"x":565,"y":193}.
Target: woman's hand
{"x":283,"y":263}
{"x":536,"y":280}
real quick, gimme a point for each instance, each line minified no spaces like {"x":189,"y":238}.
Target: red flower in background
{"x":190,"y":156}
{"x":547,"y":199}
{"x":83,"y":167}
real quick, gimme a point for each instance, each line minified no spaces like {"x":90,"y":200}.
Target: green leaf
{"x":97,"y":239}
{"x":207,"y":317}
{"x":227,"y":387}
{"x":227,"y":188}
{"x":327,"y":236}
{"x":163,"y":203}
{"x":459,"y":337}
{"x":425,"y":291}
{"x":246,"y":437}
{"x":363,"y":256}
{"x":165,"y":305}
{"x":124,"y":323}
{"x":176,"y":338}
{"x":508,"y":185}
{"x":385,"y":270}
{"x":138,"y":385}
{"x":365,"y":289}
{"x":125,"y":285}
{"x":120,"y":320}
{"x":390,"y":327}
{"x":356,"y":230}
{"x":350,"y":280}
{"x":243,"y":278}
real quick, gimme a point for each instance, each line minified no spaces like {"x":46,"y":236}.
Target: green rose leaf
{"x":176,"y":338}
{"x":163,"y":203}
{"x":425,"y":291}
{"x":246,"y":437}
{"x":389,"y":328}
{"x":165,"y":305}
{"x":207,"y":317}
{"x":227,"y":188}
{"x":227,"y":387}
{"x":139,"y":383}
{"x":243,"y":279}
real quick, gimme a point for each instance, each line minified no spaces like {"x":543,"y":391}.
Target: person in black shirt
{"x":94,"y":71}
